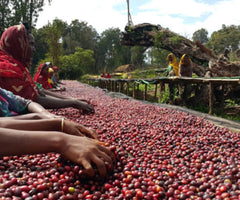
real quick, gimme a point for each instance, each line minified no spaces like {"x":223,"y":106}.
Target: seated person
{"x":52,"y":81}
{"x":50,"y":75}
{"x":42,"y":76}
{"x":108,"y":75}
{"x":55,"y":77}
{"x":185,"y":70}
{"x":172,"y":65}
{"x":185,"y":66}
{"x":16,"y":53}
{"x":172,"y":71}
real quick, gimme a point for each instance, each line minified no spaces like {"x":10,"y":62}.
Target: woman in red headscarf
{"x":42,"y":76}
{"x":16,"y":52}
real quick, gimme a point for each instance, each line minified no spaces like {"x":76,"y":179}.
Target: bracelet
{"x":62,"y":124}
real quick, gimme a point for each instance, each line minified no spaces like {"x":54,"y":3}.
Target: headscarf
{"x":185,"y":60}
{"x":55,"y":68}
{"x":14,"y":63}
{"x":185,"y":66}
{"x":42,"y":78}
{"x":50,"y":81}
{"x":173,"y":63}
{"x":14,"y":42}
{"x":50,"y":70}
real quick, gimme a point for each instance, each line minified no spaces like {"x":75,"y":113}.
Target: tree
{"x":79,"y":34}
{"x":200,"y":35}
{"x":137,"y":55}
{"x":54,"y":34}
{"x":5,"y":15}
{"x":109,"y":53}
{"x":227,"y":37}
{"x":158,"y":57}
{"x":14,"y":11}
{"x":41,"y":47}
{"x":73,"y":66}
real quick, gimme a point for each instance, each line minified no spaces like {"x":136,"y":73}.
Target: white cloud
{"x":169,"y":7}
{"x":169,"y":14}
{"x":99,"y":14}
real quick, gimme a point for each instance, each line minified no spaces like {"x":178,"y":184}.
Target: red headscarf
{"x":42,"y":78}
{"x":55,"y":68}
{"x":14,"y":75}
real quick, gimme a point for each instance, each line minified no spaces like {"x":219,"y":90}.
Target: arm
{"x":34,"y":107}
{"x":50,"y":102}
{"x":81,"y":150}
{"x":53,"y":94}
{"x":56,"y":124}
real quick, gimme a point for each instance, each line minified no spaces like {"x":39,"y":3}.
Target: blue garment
{"x":11,"y":105}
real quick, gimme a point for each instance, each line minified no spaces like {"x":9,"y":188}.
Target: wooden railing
{"x":117,"y":85}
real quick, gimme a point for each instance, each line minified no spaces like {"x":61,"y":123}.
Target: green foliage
{"x":109,"y":53}
{"x":231,"y":102}
{"x":158,"y":39}
{"x":176,"y":39}
{"x":41,"y":45}
{"x":13,"y":12}
{"x":79,"y":34}
{"x":227,"y":37}
{"x":85,"y":77}
{"x":137,"y":55}
{"x":54,"y":33}
{"x":158,"y":57}
{"x":200,"y":35}
{"x":73,"y":66}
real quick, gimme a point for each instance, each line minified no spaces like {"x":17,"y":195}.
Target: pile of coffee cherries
{"x":161,"y":154}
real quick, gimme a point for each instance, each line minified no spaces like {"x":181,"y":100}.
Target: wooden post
{"x":145,"y":93}
{"x":155,"y":94}
{"x":115,"y":86}
{"x":127,"y":88}
{"x":134,"y":89}
{"x":222,"y":98}
{"x":110,"y":87}
{"x":106,"y":84}
{"x":161,"y":87}
{"x":210,"y":98}
{"x":120,"y":85}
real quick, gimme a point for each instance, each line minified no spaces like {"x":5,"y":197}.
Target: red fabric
{"x":14,"y":42}
{"x":55,"y":68}
{"x":108,"y":76}
{"x":14,"y":75}
{"x":41,"y":78}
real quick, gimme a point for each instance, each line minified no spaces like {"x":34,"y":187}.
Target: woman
{"x":16,"y":52}
{"x":42,"y":76}
{"x":172,"y":71}
{"x":55,"y":77}
{"x":185,"y":66}
{"x":173,"y":63}
{"x":185,"y":70}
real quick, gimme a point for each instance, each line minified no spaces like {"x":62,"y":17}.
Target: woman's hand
{"x":78,"y":130}
{"x":84,"y":106}
{"x":85,"y":151}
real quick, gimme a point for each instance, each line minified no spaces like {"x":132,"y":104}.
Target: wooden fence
{"x":117,"y":85}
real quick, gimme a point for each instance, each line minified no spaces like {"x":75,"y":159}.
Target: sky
{"x":180,"y":16}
